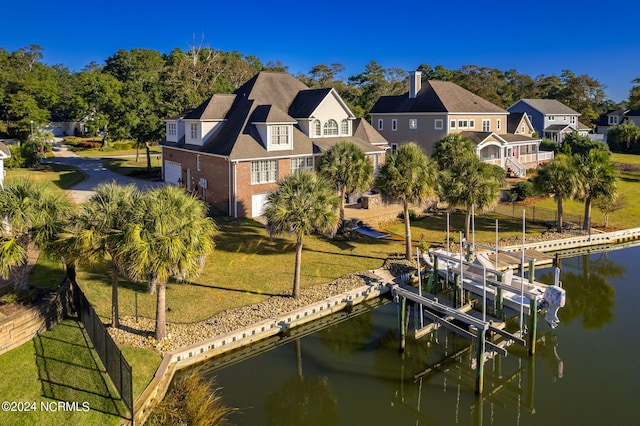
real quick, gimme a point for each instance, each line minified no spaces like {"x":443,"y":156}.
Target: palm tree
{"x":302,"y":203}
{"x":470,"y":182}
{"x":451,"y":149}
{"x":561,"y":178}
{"x":408,"y":175}
{"x":599,"y":176}
{"x":96,"y":236}
{"x":348,"y":168}
{"x":33,"y":213}
{"x":170,"y":238}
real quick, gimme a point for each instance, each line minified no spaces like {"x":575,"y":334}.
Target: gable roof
{"x":477,"y":138}
{"x":547,"y":106}
{"x":5,"y":152}
{"x":436,"y":96}
{"x":268,"y":97}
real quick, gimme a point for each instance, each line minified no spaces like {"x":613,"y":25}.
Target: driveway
{"x":95,"y":173}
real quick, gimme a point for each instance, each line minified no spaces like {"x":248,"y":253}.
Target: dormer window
{"x":613,"y":119}
{"x":194,"y":130}
{"x":171,"y":129}
{"x":280,"y":137}
{"x":317,"y":128}
{"x":344,"y":127}
{"x":331,"y":128}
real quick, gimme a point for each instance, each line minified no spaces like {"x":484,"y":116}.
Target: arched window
{"x":331,"y":128}
{"x":317,"y":128}
{"x":344,"y":127}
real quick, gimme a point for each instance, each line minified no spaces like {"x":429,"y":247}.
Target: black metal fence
{"x":116,"y":365}
{"x":537,"y":214}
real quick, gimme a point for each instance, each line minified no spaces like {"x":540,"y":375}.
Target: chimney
{"x":415,"y":83}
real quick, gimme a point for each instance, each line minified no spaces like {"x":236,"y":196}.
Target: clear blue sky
{"x":542,"y":37}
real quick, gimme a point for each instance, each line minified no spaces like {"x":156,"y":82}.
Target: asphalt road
{"x":95,"y":173}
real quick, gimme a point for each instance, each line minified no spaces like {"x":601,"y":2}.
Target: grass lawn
{"x":64,"y":177}
{"x":59,"y":365}
{"x":144,"y":364}
{"x":97,"y":152}
{"x":129,"y":167}
{"x":628,"y":185}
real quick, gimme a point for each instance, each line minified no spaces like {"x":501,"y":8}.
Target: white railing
{"x":545,"y":155}
{"x":516,"y":167}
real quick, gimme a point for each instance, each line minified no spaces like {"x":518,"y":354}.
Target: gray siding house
{"x":550,"y":118}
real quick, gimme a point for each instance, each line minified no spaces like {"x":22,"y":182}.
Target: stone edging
{"x":189,"y":355}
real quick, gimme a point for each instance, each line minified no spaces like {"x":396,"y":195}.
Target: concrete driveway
{"x":95,"y":173}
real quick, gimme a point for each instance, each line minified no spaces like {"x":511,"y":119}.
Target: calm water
{"x":585,"y":372}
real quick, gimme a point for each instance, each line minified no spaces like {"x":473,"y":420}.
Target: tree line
{"x":129,"y":95}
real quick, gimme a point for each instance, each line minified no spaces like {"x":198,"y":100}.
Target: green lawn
{"x":97,"y":152}
{"x":64,"y":177}
{"x":59,"y":365}
{"x":129,"y":167}
{"x":629,"y":216}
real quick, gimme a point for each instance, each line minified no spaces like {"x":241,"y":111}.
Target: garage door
{"x":258,"y":204}
{"x":172,"y":172}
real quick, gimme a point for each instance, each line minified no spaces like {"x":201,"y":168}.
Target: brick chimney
{"x":415,"y":83}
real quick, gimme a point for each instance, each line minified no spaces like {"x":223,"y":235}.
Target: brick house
{"x":233,"y":148}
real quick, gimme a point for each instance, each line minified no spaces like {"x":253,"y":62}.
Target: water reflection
{"x":589,"y":295}
{"x":302,"y":400}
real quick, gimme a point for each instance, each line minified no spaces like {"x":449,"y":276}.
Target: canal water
{"x":585,"y":372}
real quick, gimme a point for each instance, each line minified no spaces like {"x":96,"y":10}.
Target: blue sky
{"x":541,"y":37}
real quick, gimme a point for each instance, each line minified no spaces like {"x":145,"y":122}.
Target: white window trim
{"x":193,"y":131}
{"x":488,"y":125}
{"x":472,"y":124}
{"x":198,"y":165}
{"x":498,"y":124}
{"x":452,"y":124}
{"x":394,"y":124}
{"x":284,"y":140}
{"x":413,"y":123}
{"x":438,"y":124}
{"x":309,"y":164}
{"x":261,"y":171}
{"x":380,"y":124}
{"x":345,"y":128}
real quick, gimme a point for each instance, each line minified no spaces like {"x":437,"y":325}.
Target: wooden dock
{"x":513,"y":259}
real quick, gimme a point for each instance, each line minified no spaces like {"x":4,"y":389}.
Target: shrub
{"x":122,"y":146}
{"x":524,"y":189}
{"x":16,"y":160}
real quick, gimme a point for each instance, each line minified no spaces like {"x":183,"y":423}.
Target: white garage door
{"x":172,"y":172}
{"x":258,"y":204}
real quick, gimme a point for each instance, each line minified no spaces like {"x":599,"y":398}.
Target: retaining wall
{"x":582,"y":241}
{"x":193,"y":354}
{"x":23,"y":326}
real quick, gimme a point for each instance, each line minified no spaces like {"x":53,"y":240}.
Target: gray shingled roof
{"x":513,"y":121}
{"x":549,"y":106}
{"x":436,"y":96}
{"x":265,"y":98}
{"x":5,"y":149}
{"x":478,"y":137}
{"x":214,"y":108}
{"x":557,"y":127}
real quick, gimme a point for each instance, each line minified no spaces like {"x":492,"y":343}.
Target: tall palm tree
{"x":32,"y":213}
{"x":560,"y":177}
{"x":302,"y":203}
{"x":95,"y":235}
{"x":348,"y":168}
{"x":451,"y":149}
{"x":410,"y":176}
{"x":470,"y":182}
{"x":599,"y":176}
{"x":170,"y":238}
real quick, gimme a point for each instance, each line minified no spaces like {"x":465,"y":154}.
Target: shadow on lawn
{"x":70,"y":371}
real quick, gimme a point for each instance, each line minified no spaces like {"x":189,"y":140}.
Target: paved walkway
{"x":94,"y":171}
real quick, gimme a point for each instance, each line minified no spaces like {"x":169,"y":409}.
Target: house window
{"x":486,"y":125}
{"x":552,"y":118}
{"x":438,"y":123}
{"x":264,"y":171}
{"x":380,"y":126}
{"x":413,"y":123}
{"x":472,"y":124}
{"x":344,"y":127}
{"x":171,"y":130}
{"x":394,"y":124}
{"x":198,"y":162}
{"x":452,"y":124}
{"x":522,"y":129}
{"x":394,"y":147}
{"x":564,"y":118}
{"x":613,"y":120}
{"x":498,"y":124}
{"x":194,"y":130}
{"x":301,"y":163}
{"x":331,"y":128}
{"x":279,"y":135}
{"x":317,"y":128}
{"x":463,"y":124}
{"x":573,"y":120}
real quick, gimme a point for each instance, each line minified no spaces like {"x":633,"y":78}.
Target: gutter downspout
{"x":229,"y":202}
{"x":235,"y":193}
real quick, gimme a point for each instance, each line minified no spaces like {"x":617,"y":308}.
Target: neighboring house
{"x":551,"y":118}
{"x":61,"y":126}
{"x":4,"y":154}
{"x":615,"y":117}
{"x":431,"y":110}
{"x":233,"y":148}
